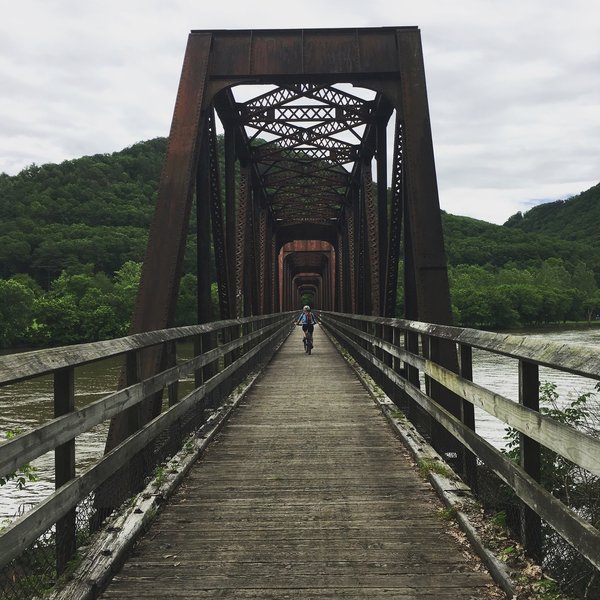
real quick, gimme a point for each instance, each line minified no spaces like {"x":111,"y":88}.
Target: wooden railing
{"x":395,"y":351}
{"x":226,"y":351}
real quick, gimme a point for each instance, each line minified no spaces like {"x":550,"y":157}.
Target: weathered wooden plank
{"x":24,"y":365}
{"x":24,"y":531}
{"x":282,"y":505}
{"x":573,"y":358}
{"x":373,"y":593}
{"x":575,"y":530}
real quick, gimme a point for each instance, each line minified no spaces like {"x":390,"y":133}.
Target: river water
{"x":501,"y":375}
{"x":26,"y":405}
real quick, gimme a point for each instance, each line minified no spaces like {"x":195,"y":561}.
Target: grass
{"x":427,"y":465}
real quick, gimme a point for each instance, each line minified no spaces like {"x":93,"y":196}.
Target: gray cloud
{"x":514,"y":87}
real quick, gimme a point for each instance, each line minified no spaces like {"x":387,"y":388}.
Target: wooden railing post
{"x":411,"y":344}
{"x":132,"y":376}
{"x":442,"y":440}
{"x":465,"y":362}
{"x":530,"y":453}
{"x":64,"y":467}
{"x":198,"y":373}
{"x":398,"y":341}
{"x":173,"y":388}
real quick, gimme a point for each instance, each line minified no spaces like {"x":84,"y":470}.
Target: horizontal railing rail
{"x":362,"y":336}
{"x":244,"y":344}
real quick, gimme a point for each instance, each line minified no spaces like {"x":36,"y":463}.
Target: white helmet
{"x":307,"y":307}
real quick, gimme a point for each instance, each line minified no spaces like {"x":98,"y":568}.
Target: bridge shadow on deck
{"x":306,"y":493}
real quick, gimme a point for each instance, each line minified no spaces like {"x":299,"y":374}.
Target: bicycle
{"x":308,"y":342}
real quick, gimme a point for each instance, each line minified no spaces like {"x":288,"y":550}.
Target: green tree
{"x":592,"y":306}
{"x":187,"y":312}
{"x":56,"y":320}
{"x":16,"y":311}
{"x":553,"y":274}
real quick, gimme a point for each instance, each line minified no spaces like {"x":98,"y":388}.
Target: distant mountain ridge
{"x":575,"y":219}
{"x":94,"y":212}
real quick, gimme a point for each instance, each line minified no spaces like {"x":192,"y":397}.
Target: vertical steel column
{"x":251,"y":272}
{"x":351,"y":255}
{"x":339,"y":294}
{"x":261,"y":258}
{"x":382,"y":211}
{"x":218,"y":235}
{"x":395,"y":228}
{"x":230,"y":214}
{"x":372,"y":242}
{"x":429,"y":259}
{"x":274,"y":302}
{"x":204,"y":295}
{"x":203,"y":281}
{"x":285,"y":304}
{"x":241,"y":230}
{"x":363,"y":287}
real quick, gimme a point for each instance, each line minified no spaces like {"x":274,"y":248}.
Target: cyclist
{"x":307,"y":320}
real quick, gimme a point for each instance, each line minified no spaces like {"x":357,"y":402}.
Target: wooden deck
{"x":306,"y":493}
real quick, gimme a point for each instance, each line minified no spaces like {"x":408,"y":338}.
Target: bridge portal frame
{"x":367,"y":244}
{"x":387,"y":60}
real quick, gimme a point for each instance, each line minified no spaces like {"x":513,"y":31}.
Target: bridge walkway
{"x":306,"y":493}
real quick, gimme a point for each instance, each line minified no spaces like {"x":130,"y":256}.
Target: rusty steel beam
{"x":431,"y":276}
{"x":382,"y":208}
{"x":303,"y":146}
{"x":162,"y":268}
{"x":395,"y":226}
{"x":216,"y":215}
{"x":241,"y":231}
{"x":372,"y":235}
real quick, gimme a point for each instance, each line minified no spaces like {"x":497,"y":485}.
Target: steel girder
{"x":306,"y":145}
{"x":218,"y":233}
{"x":393,"y":247}
{"x":241,"y":228}
{"x":371,"y":241}
{"x":304,"y":141}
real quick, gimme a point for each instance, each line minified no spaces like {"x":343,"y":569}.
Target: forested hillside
{"x":73,"y":235}
{"x":93,"y":211}
{"x":473,"y":242}
{"x":574,"y":219}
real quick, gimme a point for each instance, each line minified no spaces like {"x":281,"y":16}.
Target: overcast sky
{"x":513,"y":85}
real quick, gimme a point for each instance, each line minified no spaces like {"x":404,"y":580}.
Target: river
{"x":26,"y":405}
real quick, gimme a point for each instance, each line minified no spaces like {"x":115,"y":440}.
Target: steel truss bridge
{"x":326,"y":193}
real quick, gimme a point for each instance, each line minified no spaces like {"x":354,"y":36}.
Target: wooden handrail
{"x":571,"y":358}
{"x":576,"y":446}
{"x":23,"y":532}
{"x":25,"y":365}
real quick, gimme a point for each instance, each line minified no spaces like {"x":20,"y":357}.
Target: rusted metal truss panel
{"x":241,"y":229}
{"x":305,"y":51}
{"x":220,"y":251}
{"x":306,"y":113}
{"x":393,"y":257}
{"x":372,"y":239}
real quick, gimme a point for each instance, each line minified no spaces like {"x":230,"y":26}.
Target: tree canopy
{"x":73,"y":235}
